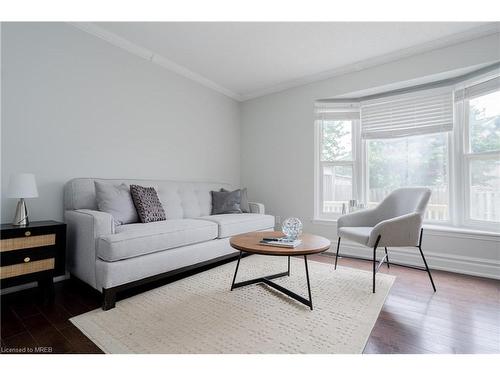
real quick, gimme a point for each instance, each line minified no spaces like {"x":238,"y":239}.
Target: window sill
{"x":461,"y":230}
{"x":435,"y":228}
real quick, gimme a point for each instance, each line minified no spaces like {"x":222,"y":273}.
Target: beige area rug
{"x":200,"y":314}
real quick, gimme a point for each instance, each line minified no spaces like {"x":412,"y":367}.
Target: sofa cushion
{"x":356,"y":234}
{"x":132,"y":240}
{"x":233,"y":224}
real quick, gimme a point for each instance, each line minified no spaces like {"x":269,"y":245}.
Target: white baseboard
{"x":439,"y":261}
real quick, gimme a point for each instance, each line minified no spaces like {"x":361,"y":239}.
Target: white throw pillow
{"x":117,"y":201}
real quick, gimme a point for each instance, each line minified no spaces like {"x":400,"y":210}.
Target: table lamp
{"x":22,"y":185}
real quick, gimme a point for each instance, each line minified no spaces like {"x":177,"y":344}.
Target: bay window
{"x":445,"y":138}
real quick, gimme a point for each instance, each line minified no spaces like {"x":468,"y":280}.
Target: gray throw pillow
{"x":117,"y":201}
{"x":244,"y":206}
{"x":147,"y":203}
{"x":225,"y":202}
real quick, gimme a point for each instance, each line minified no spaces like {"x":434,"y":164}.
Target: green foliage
{"x":336,"y":140}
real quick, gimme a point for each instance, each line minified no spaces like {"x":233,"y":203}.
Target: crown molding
{"x":151,"y":56}
{"x":118,"y":41}
{"x":465,"y":36}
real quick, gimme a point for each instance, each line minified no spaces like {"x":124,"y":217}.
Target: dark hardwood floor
{"x":462,"y":317}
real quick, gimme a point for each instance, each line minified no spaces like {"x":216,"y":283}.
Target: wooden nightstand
{"x":35,"y":252}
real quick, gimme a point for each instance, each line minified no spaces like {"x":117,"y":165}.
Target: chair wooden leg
{"x":375,"y":261}
{"x":337,"y":254}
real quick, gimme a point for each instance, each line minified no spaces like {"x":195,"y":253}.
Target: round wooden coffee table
{"x":249,"y":243}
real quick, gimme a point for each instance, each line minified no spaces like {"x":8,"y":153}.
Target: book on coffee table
{"x":280,"y":242}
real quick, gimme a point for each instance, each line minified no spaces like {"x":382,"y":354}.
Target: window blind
{"x":336,"y":111}
{"x":417,"y":113}
{"x":479,"y":89}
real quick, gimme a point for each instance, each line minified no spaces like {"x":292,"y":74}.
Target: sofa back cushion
{"x":179,"y":199}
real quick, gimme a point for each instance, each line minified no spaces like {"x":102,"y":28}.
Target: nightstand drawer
{"x":19,"y":256}
{"x":27,"y":242}
{"x":26,"y":267}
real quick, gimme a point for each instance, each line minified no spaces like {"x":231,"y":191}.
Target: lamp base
{"x":21,"y":217}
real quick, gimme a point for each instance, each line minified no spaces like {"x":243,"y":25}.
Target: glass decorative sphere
{"x":292,"y":228}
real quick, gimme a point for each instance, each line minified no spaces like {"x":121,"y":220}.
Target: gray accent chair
{"x":395,"y":222}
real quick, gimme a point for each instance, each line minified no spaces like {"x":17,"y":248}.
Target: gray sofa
{"x":113,"y":258}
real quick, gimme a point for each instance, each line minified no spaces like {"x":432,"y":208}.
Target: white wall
{"x":75,"y":106}
{"x":277,"y":160}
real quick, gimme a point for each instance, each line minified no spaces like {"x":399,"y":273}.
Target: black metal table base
{"x":267,"y":280}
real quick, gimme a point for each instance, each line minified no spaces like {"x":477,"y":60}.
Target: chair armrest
{"x":256,"y":208}
{"x":84,"y":228}
{"x":402,"y":230}
{"x":364,"y":218}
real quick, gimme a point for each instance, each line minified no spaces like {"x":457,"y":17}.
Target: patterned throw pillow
{"x":147,"y":204}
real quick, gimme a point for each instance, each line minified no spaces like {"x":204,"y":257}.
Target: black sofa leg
{"x":109,"y":299}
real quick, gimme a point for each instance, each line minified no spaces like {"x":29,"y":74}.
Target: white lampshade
{"x":22,"y":185}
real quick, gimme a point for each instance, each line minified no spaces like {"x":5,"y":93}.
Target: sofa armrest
{"x":84,"y":228}
{"x":256,"y":208}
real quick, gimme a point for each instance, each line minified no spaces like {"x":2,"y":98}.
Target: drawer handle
{"x":27,"y":233}
{"x":27,"y":259}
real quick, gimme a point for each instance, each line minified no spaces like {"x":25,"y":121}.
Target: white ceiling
{"x":250,"y":59}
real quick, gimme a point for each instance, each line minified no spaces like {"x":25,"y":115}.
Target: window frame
{"x":466,"y":156}
{"x":320,"y":165}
